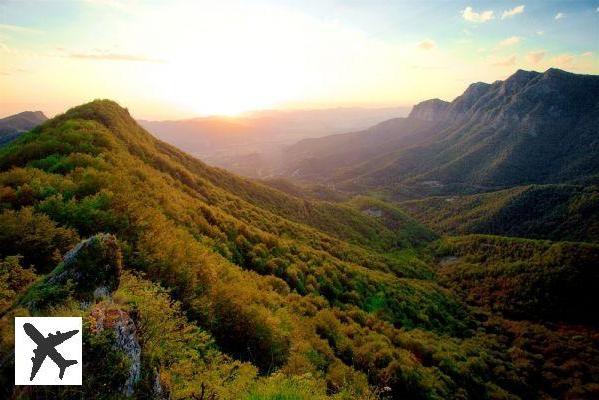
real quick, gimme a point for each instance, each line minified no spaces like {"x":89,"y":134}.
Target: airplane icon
{"x":46,"y":347}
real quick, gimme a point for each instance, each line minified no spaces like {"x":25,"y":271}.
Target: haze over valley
{"x":249,"y":143}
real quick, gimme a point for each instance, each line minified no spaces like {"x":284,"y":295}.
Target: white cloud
{"x":427,"y":44}
{"x":535,"y":57}
{"x":563,"y":60}
{"x":102,"y":55}
{"x":20,"y":29}
{"x":514,"y":11}
{"x":587,"y":54}
{"x":510,"y":41}
{"x":559,"y":16}
{"x":505,"y":62}
{"x":108,"y":3}
{"x":470,"y":15}
{"x":540,"y":33}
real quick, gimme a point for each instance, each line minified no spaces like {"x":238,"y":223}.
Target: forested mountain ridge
{"x":531,"y":128}
{"x":233,"y":290}
{"x":556,"y":212}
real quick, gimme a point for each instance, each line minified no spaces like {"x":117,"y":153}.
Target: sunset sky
{"x":176,"y":59}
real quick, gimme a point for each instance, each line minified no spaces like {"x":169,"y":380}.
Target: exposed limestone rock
{"x":126,"y":339}
{"x":430,"y":110}
{"x":90,"y":271}
{"x":158,"y":392}
{"x":94,"y":267}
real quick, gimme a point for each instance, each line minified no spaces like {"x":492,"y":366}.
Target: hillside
{"x":195,"y":283}
{"x":556,"y":212}
{"x":13,"y":125}
{"x":318,"y":158}
{"x":532,"y":128}
{"x":521,"y":278}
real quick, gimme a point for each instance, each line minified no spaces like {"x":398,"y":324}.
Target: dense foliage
{"x":238,"y":290}
{"x":556,"y":212}
{"x":556,"y":281}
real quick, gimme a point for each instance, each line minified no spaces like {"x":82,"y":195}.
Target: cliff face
{"x":523,"y":97}
{"x":105,"y":316}
{"x":430,"y":110}
{"x":531,"y":128}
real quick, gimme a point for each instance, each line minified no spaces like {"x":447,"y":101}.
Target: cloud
{"x":13,"y":71}
{"x":427,"y":44}
{"x":514,"y":11}
{"x":20,"y":29}
{"x":559,"y":16}
{"x":540,"y":33}
{"x":108,"y":3}
{"x":587,"y":54}
{"x":472,"y":16}
{"x":114,"y":57}
{"x":506,"y":62}
{"x":534,"y":57}
{"x":510,"y":41}
{"x":563,"y":60}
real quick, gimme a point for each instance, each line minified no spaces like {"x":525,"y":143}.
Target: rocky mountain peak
{"x":429,"y":110}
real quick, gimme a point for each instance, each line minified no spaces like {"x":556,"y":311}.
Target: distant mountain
{"x":250,"y":142}
{"x":531,"y":128}
{"x":12,"y":126}
{"x":327,"y":156}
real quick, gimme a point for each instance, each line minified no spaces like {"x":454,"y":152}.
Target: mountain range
{"x":196,"y":283}
{"x":532,"y":128}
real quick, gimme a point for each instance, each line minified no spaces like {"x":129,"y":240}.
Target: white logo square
{"x":48,"y":350}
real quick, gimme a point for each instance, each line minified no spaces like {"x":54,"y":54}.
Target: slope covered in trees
{"x":234,"y":290}
{"x":556,"y":212}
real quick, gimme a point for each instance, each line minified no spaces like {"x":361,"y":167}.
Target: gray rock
{"x":126,"y":340}
{"x":94,"y":267}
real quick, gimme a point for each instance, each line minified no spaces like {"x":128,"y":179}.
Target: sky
{"x":178,"y":59}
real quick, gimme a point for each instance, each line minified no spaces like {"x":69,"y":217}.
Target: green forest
{"x":236,"y":290}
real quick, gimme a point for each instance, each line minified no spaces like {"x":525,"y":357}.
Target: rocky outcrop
{"x":93,"y":266}
{"x":526,"y":100}
{"x":430,"y":110}
{"x":123,"y":325}
{"x":90,"y":271}
{"x":158,"y":392}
